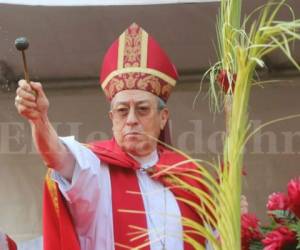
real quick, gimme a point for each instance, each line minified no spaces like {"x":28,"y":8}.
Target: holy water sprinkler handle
{"x":22,"y":44}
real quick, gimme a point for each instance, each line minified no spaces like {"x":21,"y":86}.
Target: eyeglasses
{"x":122,"y":112}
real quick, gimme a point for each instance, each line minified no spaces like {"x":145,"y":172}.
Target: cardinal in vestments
{"x":112,"y":194}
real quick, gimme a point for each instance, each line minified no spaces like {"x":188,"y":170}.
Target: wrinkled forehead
{"x":133,"y":96}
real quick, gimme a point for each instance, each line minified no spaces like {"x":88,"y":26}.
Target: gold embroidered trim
{"x":132,"y":49}
{"x":140,"y":81}
{"x":154,"y":72}
{"x":121,"y":51}
{"x":144,"y":49}
{"x":53,"y":191}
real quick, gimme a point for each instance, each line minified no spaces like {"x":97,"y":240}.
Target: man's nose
{"x":132,"y":118}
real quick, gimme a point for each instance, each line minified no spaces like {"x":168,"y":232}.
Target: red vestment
{"x":59,"y":231}
{"x":11,"y":244}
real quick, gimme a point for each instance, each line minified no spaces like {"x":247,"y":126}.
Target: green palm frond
{"x":241,"y":52}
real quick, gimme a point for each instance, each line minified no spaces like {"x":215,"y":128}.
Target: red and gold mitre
{"x":136,"y":61}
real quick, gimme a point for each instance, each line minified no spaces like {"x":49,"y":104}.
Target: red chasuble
{"x":59,"y":232}
{"x":11,"y":244}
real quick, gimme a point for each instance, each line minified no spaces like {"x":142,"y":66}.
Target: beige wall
{"x":269,"y":165}
{"x":70,"y":42}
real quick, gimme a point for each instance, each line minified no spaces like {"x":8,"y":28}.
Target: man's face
{"x":136,"y":121}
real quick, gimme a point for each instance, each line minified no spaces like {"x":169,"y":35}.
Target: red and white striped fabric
{"x":7,"y":243}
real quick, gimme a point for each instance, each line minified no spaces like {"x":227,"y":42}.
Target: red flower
{"x":294,"y":196}
{"x":224,"y":80}
{"x":250,"y":230}
{"x":278,"y":201}
{"x":279,"y":238}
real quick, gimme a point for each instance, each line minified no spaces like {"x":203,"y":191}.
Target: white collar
{"x":148,"y":160}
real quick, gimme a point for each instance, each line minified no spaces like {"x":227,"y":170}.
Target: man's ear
{"x":110,"y":115}
{"x":164,"y":115}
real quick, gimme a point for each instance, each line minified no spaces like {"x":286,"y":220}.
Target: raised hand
{"x":31,"y":101}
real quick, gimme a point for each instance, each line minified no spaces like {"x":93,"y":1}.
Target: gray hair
{"x":160,"y":104}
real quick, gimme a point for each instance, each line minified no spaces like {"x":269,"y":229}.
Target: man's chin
{"x":131,"y":145}
{"x":136,"y":147}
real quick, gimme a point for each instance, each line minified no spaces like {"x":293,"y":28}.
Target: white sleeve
{"x":85,"y":184}
{"x":208,"y":245}
{"x":88,"y":194}
{"x":3,"y":241}
{"x":34,"y":244}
